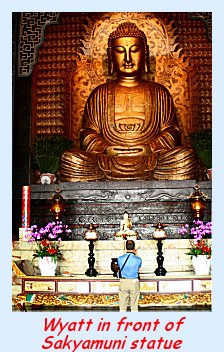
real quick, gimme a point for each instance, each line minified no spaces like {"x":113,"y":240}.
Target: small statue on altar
{"x":126,"y":231}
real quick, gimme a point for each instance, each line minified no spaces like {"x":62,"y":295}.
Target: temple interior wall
{"x":42,"y":105}
{"x":75,"y":255}
{"x":41,"y":98}
{"x":103,"y":204}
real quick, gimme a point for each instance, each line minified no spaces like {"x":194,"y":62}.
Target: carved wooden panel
{"x":32,"y":26}
{"x":104,"y":203}
{"x":194,"y":32}
{"x":51,"y":93}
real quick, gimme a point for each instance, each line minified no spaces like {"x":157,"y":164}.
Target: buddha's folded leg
{"x":126,"y":168}
{"x":79,"y":166}
{"x":178,"y":164}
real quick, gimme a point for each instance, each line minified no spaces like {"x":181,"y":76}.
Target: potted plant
{"x":48,"y":240}
{"x":201,"y":141}
{"x":47,"y":154}
{"x":200,"y":246}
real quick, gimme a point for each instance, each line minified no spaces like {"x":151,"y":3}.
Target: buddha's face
{"x":128,"y":56}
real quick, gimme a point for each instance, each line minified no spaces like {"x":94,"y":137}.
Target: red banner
{"x":26,"y":206}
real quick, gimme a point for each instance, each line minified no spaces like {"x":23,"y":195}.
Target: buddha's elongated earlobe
{"x":147,"y":68}
{"x":110,"y":63}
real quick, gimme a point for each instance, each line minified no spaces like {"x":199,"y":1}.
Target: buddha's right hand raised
{"x":128,"y":151}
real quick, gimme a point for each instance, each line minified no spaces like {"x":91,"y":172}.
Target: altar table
{"x":102,"y":291}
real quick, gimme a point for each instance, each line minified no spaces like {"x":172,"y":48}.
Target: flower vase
{"x":201,"y":264}
{"x":47,"y":178}
{"x":47,"y":266}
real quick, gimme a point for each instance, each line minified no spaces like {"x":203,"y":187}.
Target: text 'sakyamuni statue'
{"x":129,"y":129}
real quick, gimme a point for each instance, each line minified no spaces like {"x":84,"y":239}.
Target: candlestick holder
{"x":160,"y":271}
{"x":91,"y":271}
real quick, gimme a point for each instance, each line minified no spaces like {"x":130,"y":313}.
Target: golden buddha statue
{"x":129,"y":129}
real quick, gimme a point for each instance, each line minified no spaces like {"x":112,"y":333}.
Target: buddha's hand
{"x":128,"y":151}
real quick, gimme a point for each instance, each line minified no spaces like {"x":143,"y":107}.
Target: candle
{"x":159,"y":232}
{"x":26,"y":207}
{"x":91,"y":233}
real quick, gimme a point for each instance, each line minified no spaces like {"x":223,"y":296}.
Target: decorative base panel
{"x":152,"y":300}
{"x":103,"y":292}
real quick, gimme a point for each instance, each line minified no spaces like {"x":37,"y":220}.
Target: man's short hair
{"x":130,"y":245}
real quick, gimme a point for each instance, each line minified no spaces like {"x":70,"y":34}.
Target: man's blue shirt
{"x":131,"y":267}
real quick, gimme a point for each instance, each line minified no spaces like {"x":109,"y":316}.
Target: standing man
{"x":129,"y":288}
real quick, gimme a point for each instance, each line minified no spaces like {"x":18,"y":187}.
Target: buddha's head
{"x":128,"y":51}
{"x":125,"y":215}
